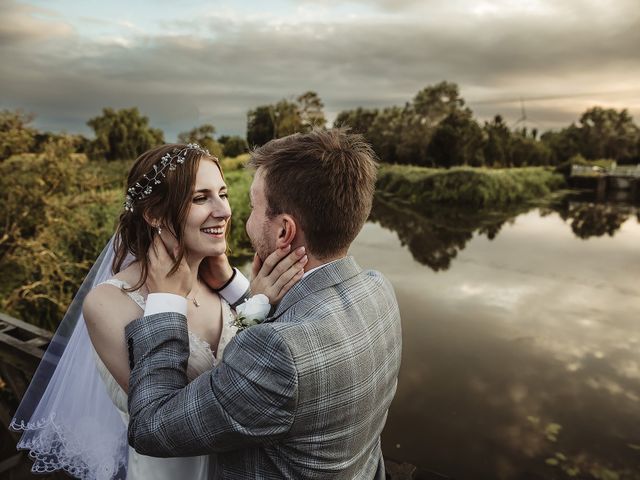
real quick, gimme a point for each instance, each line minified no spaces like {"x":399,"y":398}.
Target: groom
{"x":306,"y":393}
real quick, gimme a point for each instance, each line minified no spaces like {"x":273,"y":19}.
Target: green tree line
{"x":435,"y":129}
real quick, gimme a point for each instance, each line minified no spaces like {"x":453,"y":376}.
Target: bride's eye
{"x":224,"y":195}
{"x":199,"y":199}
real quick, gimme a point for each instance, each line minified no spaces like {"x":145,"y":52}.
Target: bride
{"x":74,"y":414}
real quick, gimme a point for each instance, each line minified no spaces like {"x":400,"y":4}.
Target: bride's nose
{"x":221,"y":209}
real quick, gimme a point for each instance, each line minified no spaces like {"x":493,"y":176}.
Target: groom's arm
{"x":249,"y":399}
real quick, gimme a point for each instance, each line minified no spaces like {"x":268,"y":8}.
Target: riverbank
{"x":467,"y":186}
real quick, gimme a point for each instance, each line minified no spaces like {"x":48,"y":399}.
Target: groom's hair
{"x":325,"y":179}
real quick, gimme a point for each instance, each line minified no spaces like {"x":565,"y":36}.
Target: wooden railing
{"x":22,"y":346}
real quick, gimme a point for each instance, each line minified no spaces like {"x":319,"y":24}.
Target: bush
{"x":472,"y":187}
{"x":16,"y":136}
{"x":56,"y":223}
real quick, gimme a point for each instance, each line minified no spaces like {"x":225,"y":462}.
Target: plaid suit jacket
{"x":304,"y":395}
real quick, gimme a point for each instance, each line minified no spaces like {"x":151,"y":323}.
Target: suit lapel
{"x":326,"y":276}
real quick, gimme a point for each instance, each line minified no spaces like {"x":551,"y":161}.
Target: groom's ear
{"x":287,"y":230}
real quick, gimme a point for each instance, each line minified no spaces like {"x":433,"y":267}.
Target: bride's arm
{"x":106,"y":311}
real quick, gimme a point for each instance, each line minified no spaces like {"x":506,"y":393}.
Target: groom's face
{"x":262,"y":231}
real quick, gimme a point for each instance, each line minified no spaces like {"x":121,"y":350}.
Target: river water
{"x":521,"y":336}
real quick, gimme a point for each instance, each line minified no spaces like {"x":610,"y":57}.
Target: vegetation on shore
{"x":466,"y":186}
{"x":56,"y":222}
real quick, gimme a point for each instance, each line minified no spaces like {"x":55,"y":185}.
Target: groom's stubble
{"x":263,"y":245}
{"x":259,"y":227}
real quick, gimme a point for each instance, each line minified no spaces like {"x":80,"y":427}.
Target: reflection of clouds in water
{"x":534,"y":324}
{"x":504,"y":297}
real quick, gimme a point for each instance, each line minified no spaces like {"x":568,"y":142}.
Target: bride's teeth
{"x":214,"y":231}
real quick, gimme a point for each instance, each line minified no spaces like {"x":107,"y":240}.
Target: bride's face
{"x":208,"y":217}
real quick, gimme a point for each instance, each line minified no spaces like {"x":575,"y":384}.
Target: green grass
{"x":466,"y":186}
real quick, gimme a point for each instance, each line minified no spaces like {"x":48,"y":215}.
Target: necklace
{"x":194,"y":300}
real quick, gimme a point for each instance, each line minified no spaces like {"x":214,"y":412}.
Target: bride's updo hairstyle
{"x":164,"y":204}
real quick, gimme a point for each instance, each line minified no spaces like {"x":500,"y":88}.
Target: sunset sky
{"x":184,"y":63}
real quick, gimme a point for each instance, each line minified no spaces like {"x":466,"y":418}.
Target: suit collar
{"x":328,"y":275}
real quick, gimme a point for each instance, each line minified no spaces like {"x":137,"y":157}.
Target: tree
{"x":260,"y":127}
{"x":385,"y":132}
{"x":457,"y":141}
{"x":286,"y":118}
{"x":563,"y":144}
{"x":525,"y":150}
{"x":421,"y":116}
{"x":607,"y":133}
{"x":497,"y":138}
{"x":359,"y":120}
{"x":310,"y":109}
{"x":122,"y":134}
{"x":16,"y":136}
{"x":79,"y":143}
{"x":203,"y":136}
{"x":267,"y":122}
{"x":232,"y":146}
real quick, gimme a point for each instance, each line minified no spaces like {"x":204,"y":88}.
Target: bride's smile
{"x":209,"y":213}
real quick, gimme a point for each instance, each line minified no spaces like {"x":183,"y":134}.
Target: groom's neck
{"x":315,"y":262}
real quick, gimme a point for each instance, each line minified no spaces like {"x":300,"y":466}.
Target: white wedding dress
{"x":201,"y":359}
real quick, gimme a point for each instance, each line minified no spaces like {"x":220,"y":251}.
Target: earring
{"x":159,"y":230}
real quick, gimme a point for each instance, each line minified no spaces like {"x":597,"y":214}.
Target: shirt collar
{"x":319,"y":267}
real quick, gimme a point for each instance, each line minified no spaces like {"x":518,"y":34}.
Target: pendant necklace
{"x":195,"y":302}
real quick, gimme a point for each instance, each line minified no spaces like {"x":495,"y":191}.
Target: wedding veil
{"x":66,"y":416}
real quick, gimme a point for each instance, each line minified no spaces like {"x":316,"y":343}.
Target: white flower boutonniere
{"x":252,"y":312}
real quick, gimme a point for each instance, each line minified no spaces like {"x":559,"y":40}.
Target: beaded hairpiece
{"x":169,"y":161}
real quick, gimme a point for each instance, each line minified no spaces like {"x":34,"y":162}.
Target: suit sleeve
{"x":248,"y":399}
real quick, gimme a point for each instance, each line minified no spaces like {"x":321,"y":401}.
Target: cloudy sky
{"x":184,"y":63}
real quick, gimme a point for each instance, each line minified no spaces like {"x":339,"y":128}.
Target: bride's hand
{"x":279,"y":272}
{"x":161,"y":262}
{"x":216,"y":271}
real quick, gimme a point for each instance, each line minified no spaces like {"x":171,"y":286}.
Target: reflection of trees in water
{"x":434,"y":238}
{"x":589,"y":219}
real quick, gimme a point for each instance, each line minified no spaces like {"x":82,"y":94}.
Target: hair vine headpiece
{"x":168,"y":162}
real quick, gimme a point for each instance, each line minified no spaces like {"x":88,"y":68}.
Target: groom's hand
{"x":279,"y":272}
{"x":161,"y":262}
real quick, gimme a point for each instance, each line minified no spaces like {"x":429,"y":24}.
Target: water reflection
{"x":435,"y":237}
{"x":520,"y":349}
{"x":591,"y":219}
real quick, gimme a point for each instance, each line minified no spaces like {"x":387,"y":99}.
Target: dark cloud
{"x":229,"y":66}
